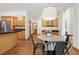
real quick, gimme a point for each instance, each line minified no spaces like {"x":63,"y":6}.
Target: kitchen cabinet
{"x":14,"y":21}
{"x":50,"y":23}
{"x":55,"y":23}
{"x":7,"y":41}
{"x":21,"y":35}
{"x":53,"y":32}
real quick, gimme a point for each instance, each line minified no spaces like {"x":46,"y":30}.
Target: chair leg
{"x":67,"y":52}
{"x":34,"y":51}
{"x":68,"y":49}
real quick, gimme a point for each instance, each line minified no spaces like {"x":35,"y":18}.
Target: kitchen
{"x":12,"y":29}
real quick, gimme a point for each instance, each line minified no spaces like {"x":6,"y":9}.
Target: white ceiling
{"x":33,"y":9}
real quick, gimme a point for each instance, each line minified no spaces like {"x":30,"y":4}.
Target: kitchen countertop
{"x":14,"y":31}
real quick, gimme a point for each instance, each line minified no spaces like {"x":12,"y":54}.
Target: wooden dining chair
{"x":37,"y":43}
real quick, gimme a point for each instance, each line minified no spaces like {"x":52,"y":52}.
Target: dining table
{"x":52,"y":39}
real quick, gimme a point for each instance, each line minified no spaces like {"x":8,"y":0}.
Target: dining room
{"x":53,"y":27}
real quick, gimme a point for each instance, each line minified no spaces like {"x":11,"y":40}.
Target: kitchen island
{"x":8,"y":40}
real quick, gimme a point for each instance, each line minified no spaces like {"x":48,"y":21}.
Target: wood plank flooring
{"x":25,"y":47}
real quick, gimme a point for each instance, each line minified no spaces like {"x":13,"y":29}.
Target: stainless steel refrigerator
{"x":5,"y":27}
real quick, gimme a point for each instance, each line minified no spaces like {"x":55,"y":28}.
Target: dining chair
{"x":67,"y":44}
{"x":62,"y":48}
{"x":37,"y":43}
{"x":50,"y":48}
{"x":59,"y":48}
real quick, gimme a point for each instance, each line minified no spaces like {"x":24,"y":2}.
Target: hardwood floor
{"x":25,"y":48}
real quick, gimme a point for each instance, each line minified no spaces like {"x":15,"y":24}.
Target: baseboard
{"x":75,"y":48}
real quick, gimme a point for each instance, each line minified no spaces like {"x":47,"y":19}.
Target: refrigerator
{"x":4,"y":26}
{"x":7,"y":26}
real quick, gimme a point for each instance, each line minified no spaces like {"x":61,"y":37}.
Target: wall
{"x":59,"y":14}
{"x":66,"y":21}
{"x":18,"y":13}
{"x":13,"y":13}
{"x":39,"y":28}
{"x":63,"y":22}
{"x":0,"y":18}
{"x":27,"y":27}
{"x":74,"y":25}
{"x":78,"y":26}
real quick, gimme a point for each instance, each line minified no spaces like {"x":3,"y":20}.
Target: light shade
{"x":49,"y":13}
{"x":49,"y":18}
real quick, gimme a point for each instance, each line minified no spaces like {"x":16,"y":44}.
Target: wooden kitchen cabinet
{"x":55,"y":23}
{"x":7,"y":41}
{"x":14,"y":21}
{"x":21,"y":35}
{"x":50,"y":23}
{"x":20,"y":20}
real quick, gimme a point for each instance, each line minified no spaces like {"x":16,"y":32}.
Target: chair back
{"x":32,"y":39}
{"x":35,"y":39}
{"x":67,"y":38}
{"x":59,"y":48}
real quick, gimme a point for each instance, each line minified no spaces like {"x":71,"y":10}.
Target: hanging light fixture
{"x":49,"y":18}
{"x":49,"y":13}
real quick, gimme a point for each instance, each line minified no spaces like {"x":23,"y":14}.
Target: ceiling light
{"x":49,"y":18}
